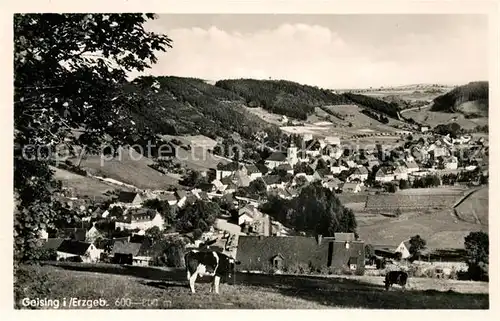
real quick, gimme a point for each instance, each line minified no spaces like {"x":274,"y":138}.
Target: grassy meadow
{"x":252,"y":291}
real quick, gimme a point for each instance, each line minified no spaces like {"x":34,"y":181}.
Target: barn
{"x":281,"y":253}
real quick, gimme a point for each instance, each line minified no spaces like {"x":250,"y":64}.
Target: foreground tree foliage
{"x":199,"y":215}
{"x":477,"y":249}
{"x":68,"y":68}
{"x":315,"y":210}
{"x":417,"y":244}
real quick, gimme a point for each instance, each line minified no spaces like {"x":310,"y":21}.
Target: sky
{"x":329,"y":51}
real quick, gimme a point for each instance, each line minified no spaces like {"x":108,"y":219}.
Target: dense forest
{"x":390,"y":109}
{"x":178,"y":105}
{"x":282,"y":97}
{"x":471,"y":92}
{"x":175,"y":105}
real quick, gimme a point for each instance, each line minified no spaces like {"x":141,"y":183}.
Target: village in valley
{"x":420,"y":173}
{"x":302,"y":196}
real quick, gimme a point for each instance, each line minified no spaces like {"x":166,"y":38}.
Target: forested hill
{"x":281,"y":96}
{"x":469,"y":99}
{"x":178,"y":105}
{"x":175,"y":105}
{"x":389,"y":108}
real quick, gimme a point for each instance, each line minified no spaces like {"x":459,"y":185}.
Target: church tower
{"x":291,"y":155}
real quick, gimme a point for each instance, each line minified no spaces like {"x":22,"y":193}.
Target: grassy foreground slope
{"x":258,"y":292}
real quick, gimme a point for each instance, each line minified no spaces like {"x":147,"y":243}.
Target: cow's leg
{"x":192,"y":280}
{"x":216,"y":284}
{"x":212,"y":286}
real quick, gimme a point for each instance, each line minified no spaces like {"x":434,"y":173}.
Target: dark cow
{"x":396,"y":277}
{"x":212,"y":263}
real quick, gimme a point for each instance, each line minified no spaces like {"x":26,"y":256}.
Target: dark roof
{"x":180,"y":193}
{"x":74,"y":233}
{"x":323,"y":172}
{"x":271,"y":179}
{"x":231,"y":167}
{"x":251,"y":168}
{"x":126,"y":248}
{"x":167,"y":197}
{"x":126,"y":197}
{"x":139,"y":215}
{"x":286,"y":167}
{"x":256,"y":251}
{"x":73,"y":247}
{"x":53,"y":243}
{"x":277,"y":157}
{"x":262,"y":168}
{"x":226,"y":180}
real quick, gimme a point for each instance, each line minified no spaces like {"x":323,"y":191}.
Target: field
{"x":83,"y":185}
{"x":258,"y":291}
{"x":441,"y":229}
{"x":433,"y":118}
{"x":474,"y":208}
{"x":407,"y":92}
{"x":402,"y":201}
{"x":129,"y":168}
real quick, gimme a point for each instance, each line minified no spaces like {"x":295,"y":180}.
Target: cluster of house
{"x":258,"y":242}
{"x":418,"y":160}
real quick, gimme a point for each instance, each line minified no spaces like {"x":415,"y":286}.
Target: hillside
{"x":282,"y":97}
{"x":169,"y":290}
{"x":470,"y":99}
{"x":474,"y":208}
{"x":391,"y":109}
{"x":128,"y":167}
{"x":176,"y":105}
{"x":83,"y":185}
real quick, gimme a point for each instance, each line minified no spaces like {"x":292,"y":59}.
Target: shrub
{"x":30,"y":282}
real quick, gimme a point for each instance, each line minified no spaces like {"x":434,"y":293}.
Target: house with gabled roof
{"x":411,"y":167}
{"x":332,"y":184}
{"x":248,"y":214}
{"x":404,"y":249}
{"x":78,"y":251}
{"x":169,"y":197}
{"x":276,"y":159}
{"x":285,"y":167}
{"x":224,"y":170}
{"x":384,"y":175}
{"x":181,"y":196}
{"x":142,"y":219}
{"x":351,"y":187}
{"x":253,"y":171}
{"x":273,"y":182}
{"x":360,"y":173}
{"x":129,"y":199}
{"x":281,"y":253}
{"x":401,"y":172}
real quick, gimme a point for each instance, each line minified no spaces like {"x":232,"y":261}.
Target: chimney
{"x":261,"y":237}
{"x":319,"y":239}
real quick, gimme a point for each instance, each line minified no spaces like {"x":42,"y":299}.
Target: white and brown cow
{"x":211,"y":263}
